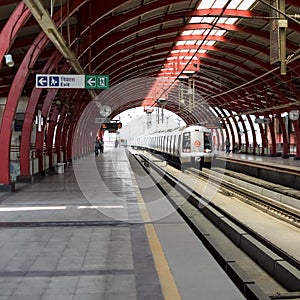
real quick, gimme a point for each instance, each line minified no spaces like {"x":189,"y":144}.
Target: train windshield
{"x":207,"y":141}
{"x":186,"y":142}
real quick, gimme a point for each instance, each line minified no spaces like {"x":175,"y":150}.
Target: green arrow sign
{"x":96,"y":81}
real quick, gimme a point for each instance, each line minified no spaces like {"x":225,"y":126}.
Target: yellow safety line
{"x":168,"y":285}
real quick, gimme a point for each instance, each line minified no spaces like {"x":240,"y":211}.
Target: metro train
{"x":189,"y":145}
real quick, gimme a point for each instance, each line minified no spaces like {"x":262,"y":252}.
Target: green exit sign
{"x":96,"y":81}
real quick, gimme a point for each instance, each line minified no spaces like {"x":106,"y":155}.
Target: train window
{"x":186,"y":142}
{"x":207,"y":140}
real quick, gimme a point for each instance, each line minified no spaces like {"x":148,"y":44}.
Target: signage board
{"x":262,"y":121}
{"x":69,"y":81}
{"x":60,"y":81}
{"x":111,"y":126}
{"x":101,"y":120}
{"x":96,"y":81}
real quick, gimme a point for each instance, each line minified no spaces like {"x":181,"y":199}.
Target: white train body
{"x":187,"y":145}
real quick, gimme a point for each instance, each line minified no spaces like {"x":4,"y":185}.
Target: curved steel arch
{"x":155,"y":17}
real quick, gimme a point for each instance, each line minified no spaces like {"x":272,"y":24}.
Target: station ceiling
{"x":150,"y":48}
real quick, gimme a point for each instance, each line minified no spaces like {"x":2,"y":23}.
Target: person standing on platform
{"x":200,"y":163}
{"x":97,"y":147}
{"x":227,"y":145}
{"x":235,"y":148}
{"x":101,"y":145}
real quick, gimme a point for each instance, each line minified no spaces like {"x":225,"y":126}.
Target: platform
{"x":283,"y":171}
{"x":79,"y":235}
{"x":279,"y":161}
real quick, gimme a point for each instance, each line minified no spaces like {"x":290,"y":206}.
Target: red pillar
{"x":8,"y":34}
{"x":297,"y":136}
{"x":286,"y":144}
{"x":28,"y":121}
{"x":273,"y":138}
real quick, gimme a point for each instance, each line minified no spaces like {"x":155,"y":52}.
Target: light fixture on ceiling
{"x":9,"y":60}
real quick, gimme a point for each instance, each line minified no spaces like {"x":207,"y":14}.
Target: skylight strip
{"x":219,"y":4}
{"x":206,"y":4}
{"x":191,"y":42}
{"x":196,"y":20}
{"x":234,"y":4}
{"x":231,"y":21}
{"x":187,"y":32}
{"x":220,"y":32}
{"x":210,"y":43}
{"x":208,"y":20}
{"x":246,"y":4}
{"x":222,"y":20}
{"x":213,"y":32}
{"x":198,"y":31}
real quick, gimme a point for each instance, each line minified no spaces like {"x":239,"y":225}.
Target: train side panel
{"x":187,"y":145}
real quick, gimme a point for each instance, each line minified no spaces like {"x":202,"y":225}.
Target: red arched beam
{"x":29,"y":118}
{"x":39,"y":140}
{"x":15,"y":22}
{"x":12,"y":101}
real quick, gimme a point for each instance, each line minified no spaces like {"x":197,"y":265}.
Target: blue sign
{"x":54,"y":81}
{"x":41,"y":81}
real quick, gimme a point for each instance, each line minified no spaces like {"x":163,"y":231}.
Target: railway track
{"x":281,"y":266}
{"x":268,"y":205}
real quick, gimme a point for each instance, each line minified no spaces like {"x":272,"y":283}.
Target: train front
{"x":196,"y":146}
